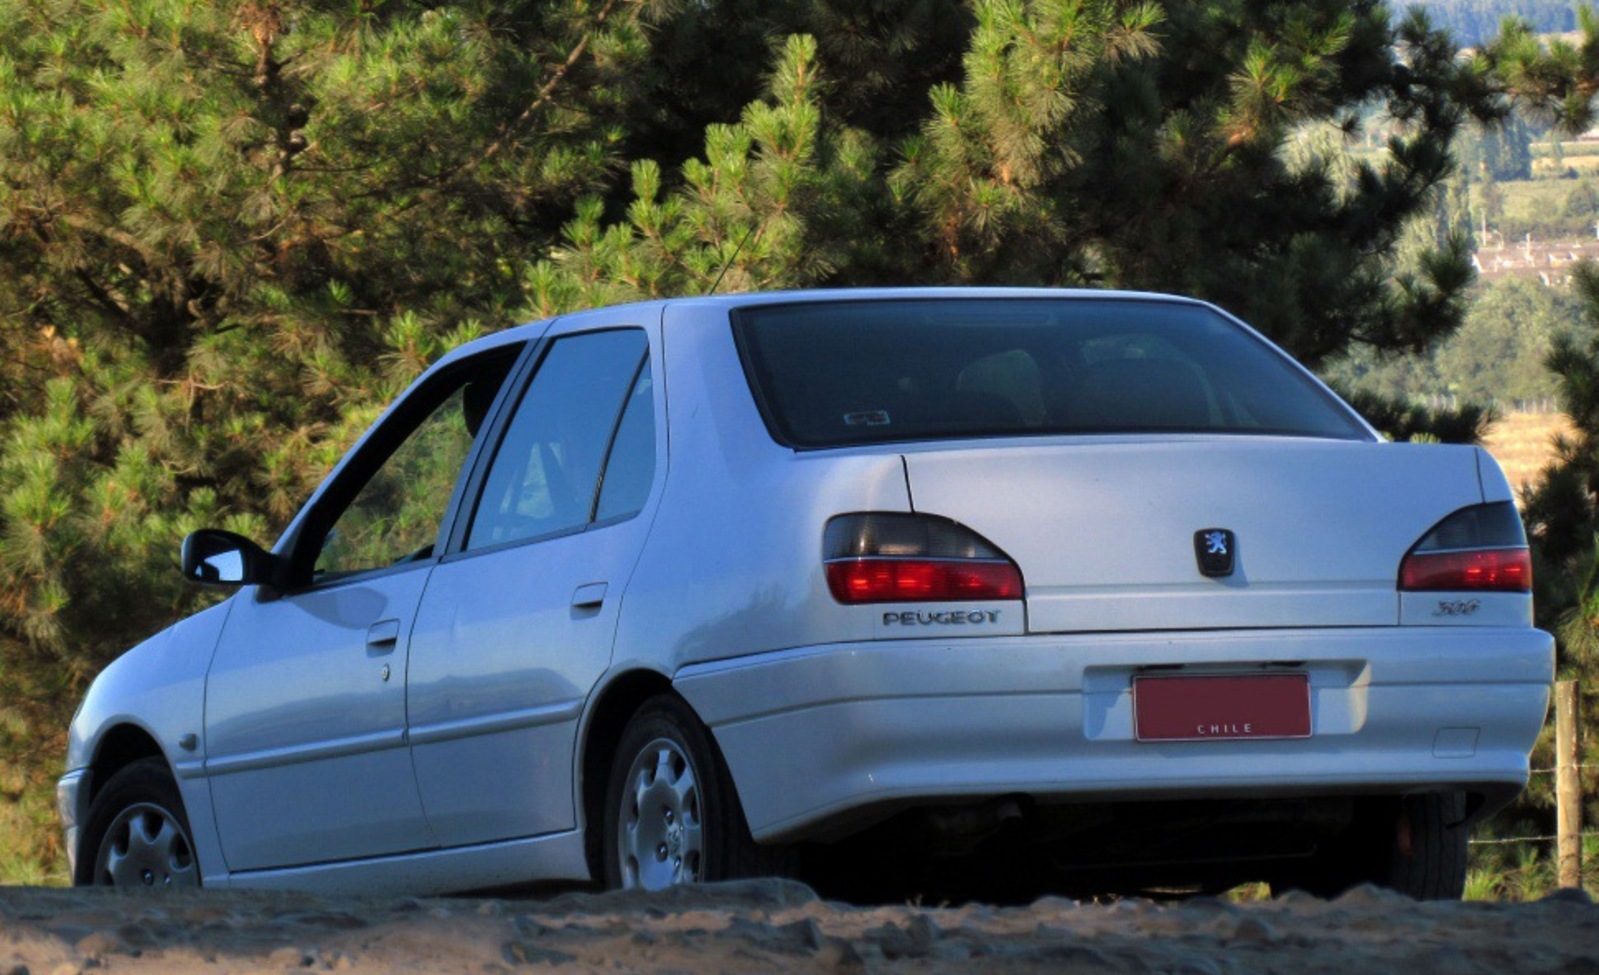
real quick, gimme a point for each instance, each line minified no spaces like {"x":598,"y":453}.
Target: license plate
{"x":1221,"y":707}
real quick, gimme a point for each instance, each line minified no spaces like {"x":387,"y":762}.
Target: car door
{"x":516,"y":626}
{"x":305,"y":699}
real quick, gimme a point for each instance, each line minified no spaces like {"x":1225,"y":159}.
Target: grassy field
{"x":1580,"y":156}
{"x":1531,"y":202}
{"x":1523,"y":443}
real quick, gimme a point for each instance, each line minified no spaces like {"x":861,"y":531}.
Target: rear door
{"x":516,"y":625}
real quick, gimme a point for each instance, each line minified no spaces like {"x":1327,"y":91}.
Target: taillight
{"x":901,"y":558}
{"x":1478,"y":549}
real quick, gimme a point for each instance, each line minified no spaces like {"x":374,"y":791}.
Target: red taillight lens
{"x":893,"y":557}
{"x":921,"y":580}
{"x":1482,"y":548}
{"x":1503,"y":570}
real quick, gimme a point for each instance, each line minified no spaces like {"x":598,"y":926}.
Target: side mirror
{"x":220,"y":558}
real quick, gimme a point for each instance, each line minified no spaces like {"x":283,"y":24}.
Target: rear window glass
{"x":830,"y":374}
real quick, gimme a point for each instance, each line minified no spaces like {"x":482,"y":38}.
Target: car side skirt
{"x":557,"y":857}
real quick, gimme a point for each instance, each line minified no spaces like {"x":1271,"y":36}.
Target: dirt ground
{"x":780,"y":926}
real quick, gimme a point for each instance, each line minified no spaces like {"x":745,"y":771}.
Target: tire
{"x":671,"y":813}
{"x":136,"y":835}
{"x":1416,"y":846}
{"x":1427,"y":858}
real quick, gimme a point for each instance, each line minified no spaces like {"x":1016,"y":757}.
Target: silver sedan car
{"x":960,"y":592}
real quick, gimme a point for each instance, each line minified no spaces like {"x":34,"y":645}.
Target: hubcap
{"x":660,"y":835}
{"x":146,"y":848}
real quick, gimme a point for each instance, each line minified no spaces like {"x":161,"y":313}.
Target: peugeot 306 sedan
{"x":973,"y":592}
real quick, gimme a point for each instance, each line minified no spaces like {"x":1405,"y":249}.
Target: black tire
{"x":1427,"y":858}
{"x":1416,"y":846}
{"x":671,"y":813}
{"x":137,"y":835}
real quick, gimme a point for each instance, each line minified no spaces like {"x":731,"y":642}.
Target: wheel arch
{"x":120,"y":746}
{"x":607,"y":718}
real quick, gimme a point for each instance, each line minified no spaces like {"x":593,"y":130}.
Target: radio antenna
{"x":733,"y":257}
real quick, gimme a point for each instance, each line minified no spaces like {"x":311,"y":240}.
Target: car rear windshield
{"x":840,"y":373}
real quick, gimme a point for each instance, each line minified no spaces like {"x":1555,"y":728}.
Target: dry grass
{"x":1523,"y":443}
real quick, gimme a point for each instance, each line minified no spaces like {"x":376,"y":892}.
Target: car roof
{"x":748,"y":299}
{"x":652,"y":310}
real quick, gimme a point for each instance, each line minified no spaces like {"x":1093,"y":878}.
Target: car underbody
{"x":1014,"y":849}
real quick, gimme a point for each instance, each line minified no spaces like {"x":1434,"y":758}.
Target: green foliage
{"x":1303,"y":250}
{"x":981,"y":170}
{"x":1497,"y":356}
{"x":747,"y":216}
{"x":1510,"y":872}
{"x":226,"y":240}
{"x":1563,"y":525}
{"x":1552,"y":78}
{"x":708,"y":60}
{"x":1402,"y":419}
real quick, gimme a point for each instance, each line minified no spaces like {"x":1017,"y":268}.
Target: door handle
{"x":590,"y":596}
{"x":383,"y":635}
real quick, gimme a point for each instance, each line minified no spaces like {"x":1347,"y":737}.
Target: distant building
{"x":1547,"y":261}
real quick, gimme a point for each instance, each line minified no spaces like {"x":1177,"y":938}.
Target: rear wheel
{"x":671,"y":815}
{"x":136,"y":835}
{"x":1415,"y":845}
{"x":1427,"y":858}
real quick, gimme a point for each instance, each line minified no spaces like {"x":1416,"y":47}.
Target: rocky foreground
{"x":779,"y":926}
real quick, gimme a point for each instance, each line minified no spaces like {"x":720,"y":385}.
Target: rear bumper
{"x":819,"y":738}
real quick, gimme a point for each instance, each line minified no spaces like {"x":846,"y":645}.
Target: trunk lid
{"x":1104,"y":528}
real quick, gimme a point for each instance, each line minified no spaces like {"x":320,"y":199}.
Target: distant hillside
{"x":1474,"y":21}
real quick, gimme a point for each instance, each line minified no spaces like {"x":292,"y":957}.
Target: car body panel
{"x":1051,"y":717}
{"x":164,"y":676}
{"x":740,"y":519}
{"x":506,"y":649}
{"x":1103,"y":527}
{"x":300,"y":703}
{"x":158,"y":688}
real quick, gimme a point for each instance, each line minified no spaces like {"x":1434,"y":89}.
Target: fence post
{"x":1568,"y":791}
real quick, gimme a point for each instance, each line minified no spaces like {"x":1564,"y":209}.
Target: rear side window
{"x":583,"y":405}
{"x":631,"y":469}
{"x":831,"y":374}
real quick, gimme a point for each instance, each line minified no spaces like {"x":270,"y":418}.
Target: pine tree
{"x":1562,"y":516}
{"x":228,"y":234}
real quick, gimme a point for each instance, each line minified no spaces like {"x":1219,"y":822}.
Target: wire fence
{"x":1511,"y":840}
{"x":1500,"y":843}
{"x":1452,"y":401}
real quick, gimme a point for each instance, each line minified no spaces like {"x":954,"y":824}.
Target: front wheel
{"x":136,"y":835}
{"x":671,"y":815}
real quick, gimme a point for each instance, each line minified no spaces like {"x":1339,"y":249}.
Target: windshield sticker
{"x":867,"y":418}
